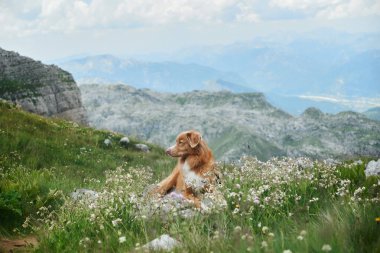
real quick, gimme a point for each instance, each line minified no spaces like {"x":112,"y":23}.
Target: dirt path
{"x":25,"y":244}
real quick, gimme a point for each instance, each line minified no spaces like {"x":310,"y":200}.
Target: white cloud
{"x":56,"y":28}
{"x":331,"y":9}
{"x":19,"y":18}
{"x":304,"y":4}
{"x":354,"y":103}
{"x":353,"y":8}
{"x":69,"y":15}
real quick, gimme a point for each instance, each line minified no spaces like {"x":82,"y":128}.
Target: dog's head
{"x":187,"y":143}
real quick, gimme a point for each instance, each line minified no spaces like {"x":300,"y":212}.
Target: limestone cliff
{"x":43,"y":89}
{"x":232,"y":124}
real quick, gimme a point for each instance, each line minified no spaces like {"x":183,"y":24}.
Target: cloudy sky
{"x":53,"y":29}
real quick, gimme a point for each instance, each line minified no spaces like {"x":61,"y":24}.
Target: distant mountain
{"x":233,"y":124}
{"x":293,"y":72}
{"x":43,"y":89}
{"x":373,"y":113}
{"x":160,"y":76}
{"x":345,"y":65}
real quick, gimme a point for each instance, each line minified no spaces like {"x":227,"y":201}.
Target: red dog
{"x":195,"y":168}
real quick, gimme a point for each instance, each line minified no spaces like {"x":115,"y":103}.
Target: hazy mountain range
{"x":334,"y":74}
{"x":373,"y":113}
{"x":160,"y":76}
{"x":234,"y":124}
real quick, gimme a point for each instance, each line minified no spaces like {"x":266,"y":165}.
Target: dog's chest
{"x":191,"y":179}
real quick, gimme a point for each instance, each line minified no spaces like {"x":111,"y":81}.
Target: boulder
{"x":163,"y":243}
{"x":107,"y":142}
{"x":124,"y":141}
{"x":142,"y":147}
{"x":373,"y":168}
{"x":46,"y":90}
{"x":84,"y":194}
{"x":175,"y":204}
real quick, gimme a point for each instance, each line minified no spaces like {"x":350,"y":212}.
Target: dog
{"x":195,"y":172}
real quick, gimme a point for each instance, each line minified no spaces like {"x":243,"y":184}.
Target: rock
{"x":42,"y":89}
{"x":107,"y":142}
{"x":84,"y":194}
{"x":358,"y":162}
{"x":175,"y":204}
{"x":124,"y":141}
{"x":166,"y":207}
{"x":142,"y":147}
{"x":164,"y":243}
{"x":373,"y":168}
{"x":234,"y":123}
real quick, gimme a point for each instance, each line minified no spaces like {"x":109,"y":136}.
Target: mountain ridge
{"x":233,"y":124}
{"x":166,"y":76}
{"x":328,"y":72}
{"x":43,"y":89}
{"x":373,"y":113}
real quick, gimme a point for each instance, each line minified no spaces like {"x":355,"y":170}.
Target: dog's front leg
{"x":165,"y":185}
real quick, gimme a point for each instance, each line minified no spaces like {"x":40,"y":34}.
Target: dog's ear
{"x":194,"y":138}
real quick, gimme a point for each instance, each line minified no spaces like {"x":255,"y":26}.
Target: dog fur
{"x":195,"y":171}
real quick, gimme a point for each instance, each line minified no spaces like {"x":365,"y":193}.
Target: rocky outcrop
{"x":43,"y":89}
{"x":232,"y":124}
{"x":162,"y":243}
{"x":373,"y":168}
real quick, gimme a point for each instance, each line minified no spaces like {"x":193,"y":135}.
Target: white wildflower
{"x":326,"y":247}
{"x":116,"y":222}
{"x":122,"y":239}
{"x":237,"y":229}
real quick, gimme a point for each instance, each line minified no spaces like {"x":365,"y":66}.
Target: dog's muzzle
{"x":169,"y":151}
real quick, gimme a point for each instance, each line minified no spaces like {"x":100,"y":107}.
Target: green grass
{"x":279,"y":205}
{"x":250,"y":144}
{"x":38,"y":155}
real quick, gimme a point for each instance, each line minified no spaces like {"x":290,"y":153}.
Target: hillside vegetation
{"x":41,"y":157}
{"x":282,"y":205}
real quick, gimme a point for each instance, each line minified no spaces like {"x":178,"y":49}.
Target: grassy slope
{"x":39,"y":156}
{"x":249,"y":144}
{"x":46,"y":154}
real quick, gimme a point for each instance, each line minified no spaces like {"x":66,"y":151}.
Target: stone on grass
{"x":142,"y":147}
{"x":163,"y":243}
{"x":107,"y":142}
{"x":84,"y":194}
{"x":373,"y":168}
{"x":124,"y":141}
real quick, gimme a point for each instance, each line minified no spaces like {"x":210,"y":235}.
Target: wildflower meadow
{"x":281,"y":205}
